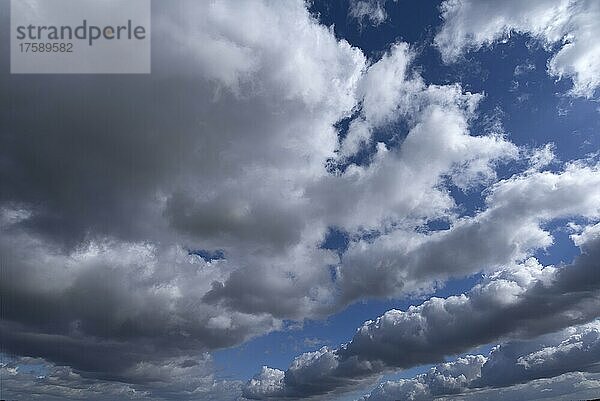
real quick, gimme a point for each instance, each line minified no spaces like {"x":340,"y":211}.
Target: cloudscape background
{"x":325,"y":200}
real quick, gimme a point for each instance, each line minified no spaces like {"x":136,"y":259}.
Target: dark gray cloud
{"x":107,"y":181}
{"x":103,"y":309}
{"x":550,"y":357}
{"x":443,"y":379}
{"x":192,"y":379}
{"x":574,"y":349}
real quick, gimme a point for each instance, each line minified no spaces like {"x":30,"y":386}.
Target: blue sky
{"x":363,"y":200}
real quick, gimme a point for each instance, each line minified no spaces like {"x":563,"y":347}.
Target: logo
{"x":80,"y":36}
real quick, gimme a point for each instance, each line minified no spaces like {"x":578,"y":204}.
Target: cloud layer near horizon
{"x":550,"y":358}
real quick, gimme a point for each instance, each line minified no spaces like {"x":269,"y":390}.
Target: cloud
{"x":447,"y":378}
{"x":565,"y":25}
{"x":36,"y":379}
{"x":372,"y":10}
{"x":400,"y":187}
{"x":103,"y":308}
{"x":225,"y":147}
{"x":231,"y":147}
{"x":268,"y":381}
{"x":551,"y":357}
{"x":519,"y":302}
{"x":525,"y":68}
{"x":107,"y":192}
{"x":574,"y":349}
{"x":566,"y":387}
{"x":508,"y":230}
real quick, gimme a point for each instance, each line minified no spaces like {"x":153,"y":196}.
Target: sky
{"x":344,"y":200}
